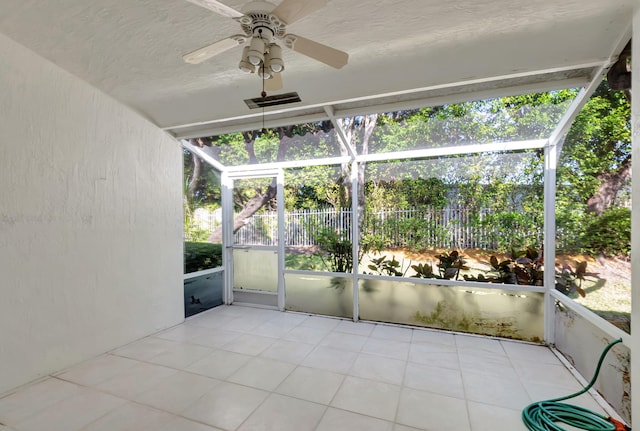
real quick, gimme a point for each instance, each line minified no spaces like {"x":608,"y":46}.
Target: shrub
{"x":609,"y":234}
{"x":201,"y":255}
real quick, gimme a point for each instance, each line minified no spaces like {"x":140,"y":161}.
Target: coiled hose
{"x":549,"y":414}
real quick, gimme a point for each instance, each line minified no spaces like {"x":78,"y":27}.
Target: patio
{"x":243,"y":368}
{"x":98,"y":109}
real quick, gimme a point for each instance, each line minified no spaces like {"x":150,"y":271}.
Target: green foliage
{"x":335,"y":251}
{"x":423,"y":270}
{"x":314,"y":187}
{"x":513,"y":229}
{"x":598,"y":141}
{"x":609,"y":234}
{"x":232,"y":149}
{"x":201,"y":192}
{"x":501,"y":272}
{"x":450,"y":264}
{"x":529,"y":116}
{"x":384,"y":266}
{"x":201,"y":255}
{"x":509,"y":188}
{"x":596,"y":146}
{"x":206,"y":188}
{"x":406,"y":193}
{"x":425,"y":192}
{"x":415,"y":233}
{"x":526,"y":268}
{"x":303,"y":262}
{"x":194,"y":233}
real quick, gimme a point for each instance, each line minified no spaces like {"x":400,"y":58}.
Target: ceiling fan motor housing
{"x":264,"y":25}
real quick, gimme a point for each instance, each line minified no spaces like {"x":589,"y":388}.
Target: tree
{"x":593,"y":175}
{"x":201,"y":179}
{"x":201,"y":189}
{"x":259,"y":147}
{"x":594,"y":168}
{"x":598,"y":149}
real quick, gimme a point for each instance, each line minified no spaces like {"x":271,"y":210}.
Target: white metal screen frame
{"x":227,"y":179}
{"x":551,"y":146}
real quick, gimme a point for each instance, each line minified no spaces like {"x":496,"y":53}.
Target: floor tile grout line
{"x":522,"y":383}
{"x":326,"y":409}
{"x":502,"y":343}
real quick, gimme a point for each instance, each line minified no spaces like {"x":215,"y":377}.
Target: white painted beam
{"x":384,"y":102}
{"x":346,"y":142}
{"x":203,"y":155}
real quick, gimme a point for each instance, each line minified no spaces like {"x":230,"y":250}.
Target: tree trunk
{"x":244,"y":216}
{"x":193,"y":184}
{"x":369,"y":126}
{"x":610,"y":184}
{"x":350,"y":127}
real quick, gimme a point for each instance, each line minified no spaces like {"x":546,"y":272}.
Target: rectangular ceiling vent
{"x":278,"y":99}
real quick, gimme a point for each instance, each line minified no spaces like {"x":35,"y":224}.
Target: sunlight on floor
{"x":241,"y":368}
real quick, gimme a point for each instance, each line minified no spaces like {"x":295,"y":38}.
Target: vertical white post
{"x":227,"y":237}
{"x":355,"y":236}
{"x":280,"y":206}
{"x":550,"y":165}
{"x":635,"y":217}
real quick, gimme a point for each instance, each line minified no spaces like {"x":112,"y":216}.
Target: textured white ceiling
{"x":132,"y":49}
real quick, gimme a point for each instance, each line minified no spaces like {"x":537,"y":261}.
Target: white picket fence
{"x":433,"y":227}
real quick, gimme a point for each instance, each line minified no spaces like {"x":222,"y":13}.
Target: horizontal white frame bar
{"x":291,"y":164}
{"x":259,"y":292}
{"x":455,"y":283}
{"x":456,"y":150}
{"x":203,"y":272}
{"x":609,"y":328}
{"x":255,"y":171}
{"x":432,"y":281}
{"x":241,"y":247}
{"x":319,"y":273}
{"x":400,"y":155}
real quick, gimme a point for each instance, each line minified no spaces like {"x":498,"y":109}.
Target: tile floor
{"x":241,"y":368}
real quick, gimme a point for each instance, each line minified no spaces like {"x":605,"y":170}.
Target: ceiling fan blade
{"x":218,"y":7}
{"x":206,"y":52}
{"x":274,"y":84}
{"x":323,"y":53}
{"x":292,"y":10}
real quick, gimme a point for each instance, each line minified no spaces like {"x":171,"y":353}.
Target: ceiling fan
{"x":265,"y":24}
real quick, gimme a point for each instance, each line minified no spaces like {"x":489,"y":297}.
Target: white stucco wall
{"x":90,"y":221}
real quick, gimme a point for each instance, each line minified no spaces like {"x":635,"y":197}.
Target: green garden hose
{"x":548,"y":415}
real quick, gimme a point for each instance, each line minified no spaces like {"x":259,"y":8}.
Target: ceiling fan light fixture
{"x":255,"y":53}
{"x":274,"y":59}
{"x":264,"y":72}
{"x":245,"y":65}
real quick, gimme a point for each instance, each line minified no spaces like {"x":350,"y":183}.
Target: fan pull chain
{"x":263,"y":94}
